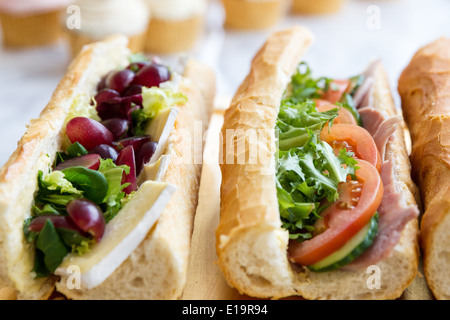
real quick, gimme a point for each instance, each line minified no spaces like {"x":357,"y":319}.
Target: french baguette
{"x":424,"y":87}
{"x":250,"y":242}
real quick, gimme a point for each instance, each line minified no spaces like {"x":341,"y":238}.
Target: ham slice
{"x":380,"y":126}
{"x":394,"y":212}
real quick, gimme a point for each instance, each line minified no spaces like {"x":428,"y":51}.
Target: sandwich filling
{"x":331,"y":173}
{"x":107,"y":148}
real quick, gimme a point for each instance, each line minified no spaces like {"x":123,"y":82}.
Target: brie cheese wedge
{"x":122,"y":236}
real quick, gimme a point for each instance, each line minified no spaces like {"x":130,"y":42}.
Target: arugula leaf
{"x":46,"y":210}
{"x":30,"y":236}
{"x":60,"y":157}
{"x":347,"y":103}
{"x":76,"y":150}
{"x":74,"y":240}
{"x":304,"y":86}
{"x":92,"y":182}
{"x":296,"y":120}
{"x":39,"y":268}
{"x":52,"y":247}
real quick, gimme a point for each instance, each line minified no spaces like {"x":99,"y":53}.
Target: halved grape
{"x":106,"y":95}
{"x":118,"y":127}
{"x":136,"y":142}
{"x":132,"y":90}
{"x":90,"y":161}
{"x":38,"y":223}
{"x":87,"y":216}
{"x":126,"y":157}
{"x":102,"y":84}
{"x":117,"y":107}
{"x":152,"y":75}
{"x":105,"y":152}
{"x":89,"y":133}
{"x":111,"y":109}
{"x":119,"y":80}
{"x":144,"y":155}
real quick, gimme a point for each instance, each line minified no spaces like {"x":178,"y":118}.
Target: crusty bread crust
{"x":424,"y":87}
{"x":163,"y":255}
{"x":250,"y":243}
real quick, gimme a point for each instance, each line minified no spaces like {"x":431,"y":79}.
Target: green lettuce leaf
{"x":56,"y":180}
{"x":114,"y":194}
{"x":306,"y":176}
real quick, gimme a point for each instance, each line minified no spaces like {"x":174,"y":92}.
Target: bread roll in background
{"x":424,"y":87}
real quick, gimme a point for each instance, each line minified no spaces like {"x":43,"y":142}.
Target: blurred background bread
{"x":27,"y":23}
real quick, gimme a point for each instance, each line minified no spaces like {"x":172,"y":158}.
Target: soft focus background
{"x":345,"y":42}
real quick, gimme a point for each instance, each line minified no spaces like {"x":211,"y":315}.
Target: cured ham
{"x":394,"y":212}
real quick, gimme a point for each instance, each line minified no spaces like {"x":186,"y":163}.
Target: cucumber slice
{"x":351,"y":250}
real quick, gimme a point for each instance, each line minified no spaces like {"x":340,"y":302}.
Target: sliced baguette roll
{"x":250,"y":242}
{"x":157,"y":268}
{"x":424,"y":87}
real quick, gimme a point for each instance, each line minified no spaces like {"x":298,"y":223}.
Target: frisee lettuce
{"x":307,"y":170}
{"x":56,"y":180}
{"x":114,"y":194}
{"x":306,"y":176}
{"x":154,"y":100}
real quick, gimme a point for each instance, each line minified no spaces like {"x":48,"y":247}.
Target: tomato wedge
{"x":335,"y":90}
{"x":353,"y":138}
{"x":343,"y":218}
{"x":344,"y":116}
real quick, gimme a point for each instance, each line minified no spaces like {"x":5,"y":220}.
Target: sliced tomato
{"x":344,"y":116}
{"x":353,"y":138}
{"x":357,"y":203}
{"x":335,"y":90}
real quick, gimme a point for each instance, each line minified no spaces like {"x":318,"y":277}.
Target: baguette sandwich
{"x":99,"y":198}
{"x":424,"y":87}
{"x":325,"y":207}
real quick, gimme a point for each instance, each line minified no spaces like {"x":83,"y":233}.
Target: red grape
{"x":152,"y":75}
{"x":126,"y":157}
{"x":136,"y":142}
{"x":102,"y":84}
{"x":38,"y":223}
{"x":118,"y":127}
{"x":132,"y":90}
{"x":118,"y":107}
{"x":90,"y":161}
{"x":87,"y":216}
{"x":105,"y":152}
{"x":106,"y":95}
{"x":145,"y":153}
{"x":89,"y":133}
{"x":119,"y":80}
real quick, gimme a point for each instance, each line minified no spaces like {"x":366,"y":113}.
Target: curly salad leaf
{"x":307,"y":170}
